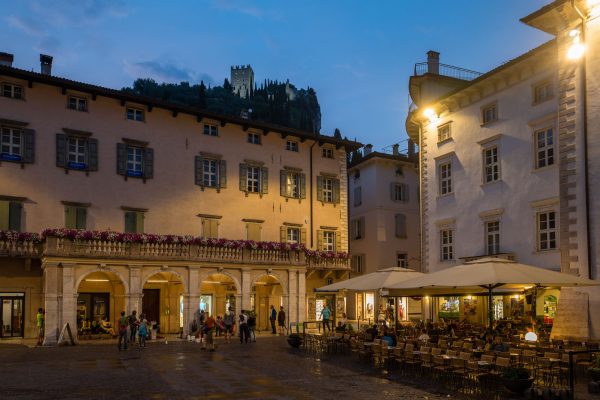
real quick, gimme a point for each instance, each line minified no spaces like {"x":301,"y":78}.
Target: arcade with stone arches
{"x":168,"y":295}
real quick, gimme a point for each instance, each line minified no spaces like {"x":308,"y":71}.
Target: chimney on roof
{"x":411,"y":148}
{"x":368,"y":149}
{"x":433,"y":62}
{"x":45,"y":64}
{"x":395,"y":148}
{"x":6,"y":59}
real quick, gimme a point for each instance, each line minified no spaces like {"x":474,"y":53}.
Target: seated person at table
{"x":498,"y":345}
{"x":373,"y":331}
{"x":106,"y":328}
{"x":340,"y":328}
{"x":424,"y":337}
{"x":388,"y":337}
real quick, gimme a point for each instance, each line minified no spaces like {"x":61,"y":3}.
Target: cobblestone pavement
{"x":267,"y":369}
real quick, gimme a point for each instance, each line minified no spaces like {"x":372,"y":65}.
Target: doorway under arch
{"x":162,"y":302}
{"x":267,"y":291}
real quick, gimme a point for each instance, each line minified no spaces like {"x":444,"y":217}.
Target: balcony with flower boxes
{"x":68,"y":243}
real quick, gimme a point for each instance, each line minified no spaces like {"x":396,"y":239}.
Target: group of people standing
{"x":130,"y":326}
{"x":280,"y":318}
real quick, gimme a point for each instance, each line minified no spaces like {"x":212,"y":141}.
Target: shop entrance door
{"x":11,"y":314}
{"x":151,"y":304}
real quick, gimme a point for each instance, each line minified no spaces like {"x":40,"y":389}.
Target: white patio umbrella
{"x":379,"y":279}
{"x":486,"y":273}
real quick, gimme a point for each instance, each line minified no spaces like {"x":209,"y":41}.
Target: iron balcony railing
{"x":447,"y":70}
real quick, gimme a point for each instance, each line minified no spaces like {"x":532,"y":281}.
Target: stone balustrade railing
{"x":62,"y":247}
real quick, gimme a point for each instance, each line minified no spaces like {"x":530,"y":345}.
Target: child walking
{"x":143,"y":330}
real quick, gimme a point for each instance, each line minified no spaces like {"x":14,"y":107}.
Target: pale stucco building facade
{"x":81,"y":156}
{"x":507,"y":163}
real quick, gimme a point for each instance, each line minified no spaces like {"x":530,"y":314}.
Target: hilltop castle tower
{"x":242,"y":80}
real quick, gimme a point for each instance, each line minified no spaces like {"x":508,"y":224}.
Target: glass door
{"x":11,"y":314}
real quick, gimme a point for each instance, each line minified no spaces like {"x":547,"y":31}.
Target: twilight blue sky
{"x":357,"y":55}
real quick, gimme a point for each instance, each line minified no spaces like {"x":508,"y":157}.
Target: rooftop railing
{"x":447,"y":70}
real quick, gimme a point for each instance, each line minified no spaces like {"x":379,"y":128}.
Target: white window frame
{"x":135,"y":114}
{"x":10,"y":90}
{"x":292,"y":145}
{"x":254,"y":138}
{"x":547,"y":230}
{"x":491,"y":164}
{"x":329,"y":240}
{"x":446,"y":244}
{"x":445,"y":178}
{"x":327,"y":152}
{"x":253,"y":179}
{"x":210,"y":172}
{"x":135,"y":165}
{"x":546,"y":152}
{"x":328,"y":190}
{"x":484,"y":113}
{"x":292,"y":184}
{"x":357,"y":196}
{"x":399,"y":191}
{"x":358,"y":262}
{"x":7,"y":141}
{"x":357,"y":229}
{"x":401,"y":259}
{"x":210,"y":130}
{"x":77,"y":150}
{"x":543,"y":91}
{"x":444,"y":132}
{"x":293,"y":235}
{"x":76,"y":102}
{"x":492,"y":236}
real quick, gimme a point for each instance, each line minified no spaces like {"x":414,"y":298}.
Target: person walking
{"x":133,"y":322}
{"x":40,"y":326}
{"x":209,"y":328}
{"x":244,"y":329}
{"x":122,"y":328}
{"x":142,"y":330}
{"x":326,"y":314}
{"x":229,"y":322}
{"x":281,"y":320}
{"x":273,"y":318}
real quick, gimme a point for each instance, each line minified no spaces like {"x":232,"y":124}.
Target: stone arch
{"x":85,"y":272}
{"x":276,"y":274}
{"x":205,"y":274}
{"x":147,"y":274}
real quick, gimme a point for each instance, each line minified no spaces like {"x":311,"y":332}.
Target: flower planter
{"x":518,"y":386}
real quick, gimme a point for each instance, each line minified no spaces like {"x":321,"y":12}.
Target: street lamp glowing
{"x":577,"y":48}
{"x":430,"y":114}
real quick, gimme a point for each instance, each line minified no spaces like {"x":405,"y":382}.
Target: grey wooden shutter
{"x":61,"y":150}
{"x":393,"y":191}
{"x":283,"y":191}
{"x":283,"y":234}
{"x":4,"y":215}
{"x":303,"y":235}
{"x":121,"y":159}
{"x":148,"y":163}
{"x":302,"y":183}
{"x":243,"y":177}
{"x":93,"y":154}
{"x":81,"y":218}
{"x":319,"y":188}
{"x":70,"y":217}
{"x":14,"y":216}
{"x":222,"y":174}
{"x":139,"y":222}
{"x":362,"y":227}
{"x":400,"y":225}
{"x":198,"y":176}
{"x":28,"y":155}
{"x":264,"y":180}
{"x":336,"y":190}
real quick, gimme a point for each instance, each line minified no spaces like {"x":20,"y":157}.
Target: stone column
{"x":134,"y":297}
{"x":51,"y":305}
{"x":238,"y":306}
{"x":190,"y":299}
{"x":69,"y":299}
{"x":246,"y":289}
{"x":301,"y":296}
{"x":292,"y":301}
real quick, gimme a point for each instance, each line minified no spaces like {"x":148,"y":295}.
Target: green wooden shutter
{"x":302,"y":183}
{"x":303,"y":235}
{"x":130,"y":221}
{"x":93,"y":154}
{"x":319,"y":240}
{"x":222,"y":174}
{"x":198,"y":175}
{"x":283,"y":234}
{"x":121,"y":159}
{"x":283,"y":189}
{"x":139,"y":222}
{"x":338,"y":241}
{"x":81,"y":218}
{"x":319,"y":188}
{"x":4,"y":215}
{"x":28,"y":154}
{"x":253,"y":231}
{"x":14,"y":216}
{"x":336,"y":191}
{"x":243,"y":177}
{"x":148,"y":163}
{"x":61,"y":150}
{"x":70,"y":217}
{"x":264,"y":180}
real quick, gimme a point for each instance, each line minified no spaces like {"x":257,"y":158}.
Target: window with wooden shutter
{"x":92,"y":154}
{"x":338,"y":241}
{"x":148,"y":163}
{"x":121,"y":159}
{"x":134,"y":222}
{"x":243,"y":177}
{"x":210,"y":228}
{"x":400,"y":220}
{"x":320,"y":240}
{"x":75,"y":217}
{"x":357,"y":196}
{"x":302,"y":184}
{"x":320,"y":188}
{"x":283,"y":233}
{"x":61,"y":150}
{"x":264,"y":180}
{"x":336,"y":191}
{"x":253,"y":231}
{"x":222,"y":174}
{"x":198,"y":171}
{"x":10,"y":215}
{"x":303,"y":235}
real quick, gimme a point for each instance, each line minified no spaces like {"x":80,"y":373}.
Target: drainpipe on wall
{"x":421,"y":229}
{"x":310,"y":155}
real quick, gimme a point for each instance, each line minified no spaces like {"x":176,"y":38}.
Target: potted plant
{"x":594,"y":370}
{"x":516,"y":379}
